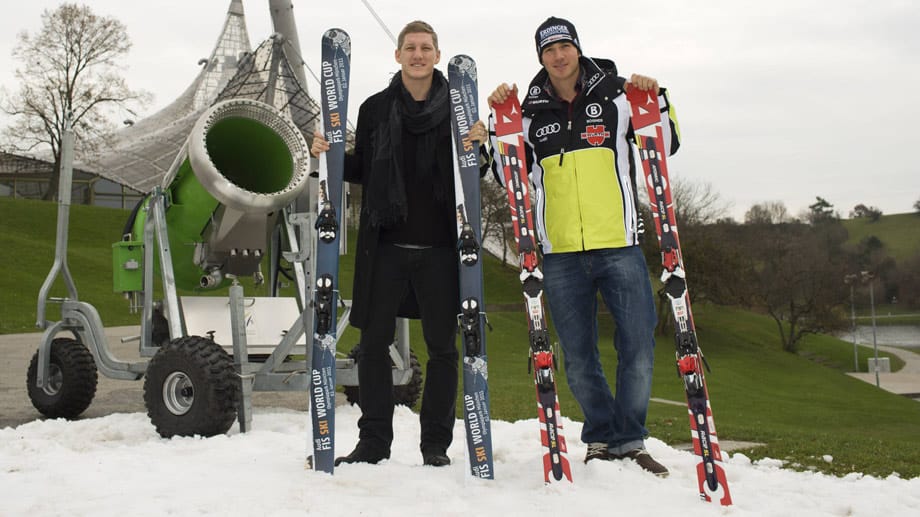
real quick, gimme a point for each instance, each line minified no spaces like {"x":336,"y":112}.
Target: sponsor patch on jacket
{"x":543,"y":133}
{"x":594,"y":110}
{"x":592,"y":80}
{"x":595,"y":135}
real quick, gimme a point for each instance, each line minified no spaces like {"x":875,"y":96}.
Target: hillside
{"x":900,"y":233}
{"x":27,"y":232}
{"x":800,"y":408}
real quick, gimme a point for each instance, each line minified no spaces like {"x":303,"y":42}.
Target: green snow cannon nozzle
{"x":245,"y":161}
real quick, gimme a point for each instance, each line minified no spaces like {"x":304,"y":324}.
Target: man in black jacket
{"x":406,"y":263}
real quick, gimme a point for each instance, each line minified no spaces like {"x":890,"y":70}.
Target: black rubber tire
{"x":406,"y":395}
{"x":160,"y":327}
{"x":191,"y":388}
{"x":72,"y":380}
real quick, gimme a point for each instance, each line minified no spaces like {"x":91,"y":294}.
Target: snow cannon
{"x":242,"y":163}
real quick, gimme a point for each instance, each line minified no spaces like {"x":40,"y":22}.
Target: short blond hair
{"x":417,"y":26}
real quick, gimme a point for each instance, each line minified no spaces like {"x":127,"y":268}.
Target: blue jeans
{"x":572,"y":281}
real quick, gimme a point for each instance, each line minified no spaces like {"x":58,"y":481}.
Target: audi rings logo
{"x":548,"y":129}
{"x":594,"y":110}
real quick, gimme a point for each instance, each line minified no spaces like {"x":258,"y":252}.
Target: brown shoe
{"x":646,"y":461}
{"x":598,"y":451}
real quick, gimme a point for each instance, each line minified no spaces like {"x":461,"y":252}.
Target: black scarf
{"x":385,"y":199}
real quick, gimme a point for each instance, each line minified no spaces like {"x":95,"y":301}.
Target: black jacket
{"x":372,"y":116}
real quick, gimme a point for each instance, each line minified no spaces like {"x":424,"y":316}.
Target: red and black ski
{"x":647,"y":125}
{"x":510,"y":150}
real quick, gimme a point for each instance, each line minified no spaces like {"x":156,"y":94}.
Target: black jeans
{"x":431,"y":274}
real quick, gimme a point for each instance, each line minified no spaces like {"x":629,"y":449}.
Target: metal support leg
{"x":240,"y":356}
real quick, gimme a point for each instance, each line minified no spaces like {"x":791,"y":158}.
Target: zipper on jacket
{"x":568,"y":136}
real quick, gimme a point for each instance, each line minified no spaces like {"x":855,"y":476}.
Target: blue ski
{"x":336,"y":62}
{"x":461,"y":72}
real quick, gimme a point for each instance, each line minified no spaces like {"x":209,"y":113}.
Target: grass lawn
{"x":802,"y":406}
{"x":899,"y":232}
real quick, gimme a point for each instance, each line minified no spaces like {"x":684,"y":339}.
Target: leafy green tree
{"x":821,"y":211}
{"x":867,"y":212}
{"x":908,"y":282}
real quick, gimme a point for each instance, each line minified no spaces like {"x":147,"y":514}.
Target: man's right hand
{"x":320,"y":145}
{"x":502,"y":93}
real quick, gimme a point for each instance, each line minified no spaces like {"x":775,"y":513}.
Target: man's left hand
{"x":642,"y":82}
{"x":478,"y":132}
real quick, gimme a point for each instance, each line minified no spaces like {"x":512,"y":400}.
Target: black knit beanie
{"x":554,"y":30}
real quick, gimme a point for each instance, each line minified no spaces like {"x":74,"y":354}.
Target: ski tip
{"x":338,"y":39}
{"x":335,"y":33}
{"x":507,"y":115}
{"x":462,"y":63}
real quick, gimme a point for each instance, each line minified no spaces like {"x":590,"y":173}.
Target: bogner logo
{"x":595,"y":135}
{"x":593,"y":110}
{"x":548,"y":129}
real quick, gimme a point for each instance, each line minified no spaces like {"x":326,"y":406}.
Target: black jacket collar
{"x":598,"y":76}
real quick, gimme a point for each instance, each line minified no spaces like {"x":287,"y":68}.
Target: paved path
{"x":905,"y":381}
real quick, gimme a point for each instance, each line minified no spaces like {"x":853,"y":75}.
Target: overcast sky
{"x":777,"y":101}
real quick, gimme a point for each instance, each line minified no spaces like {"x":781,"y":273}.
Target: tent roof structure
{"x":142,"y":154}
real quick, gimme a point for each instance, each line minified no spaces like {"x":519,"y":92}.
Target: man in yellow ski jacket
{"x":578,"y":136}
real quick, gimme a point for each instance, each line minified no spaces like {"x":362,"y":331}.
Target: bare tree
{"x":696,"y":206}
{"x":697,"y":203}
{"x":70,"y":66}
{"x":769,"y":212}
{"x":496,"y":221}
{"x":794,"y":272}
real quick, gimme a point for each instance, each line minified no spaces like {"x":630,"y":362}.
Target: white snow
{"x":118,"y":465}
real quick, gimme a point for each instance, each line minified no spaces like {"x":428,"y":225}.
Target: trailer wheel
{"x":71,"y":383}
{"x":191,"y":388}
{"x":406,"y":395}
